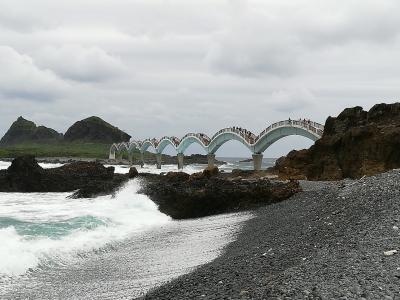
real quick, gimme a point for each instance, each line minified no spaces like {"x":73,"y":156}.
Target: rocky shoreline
{"x":87,"y":179}
{"x":166,"y":159}
{"x":334,"y":240}
{"x":184,"y":196}
{"x":177,"y":194}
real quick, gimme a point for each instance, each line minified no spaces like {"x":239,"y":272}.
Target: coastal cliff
{"x":354,"y":144}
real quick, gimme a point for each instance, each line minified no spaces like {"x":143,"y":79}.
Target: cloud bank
{"x":159,"y":68}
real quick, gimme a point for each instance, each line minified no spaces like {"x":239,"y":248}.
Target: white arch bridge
{"x":257,"y":144}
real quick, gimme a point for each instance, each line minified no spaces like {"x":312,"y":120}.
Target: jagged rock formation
{"x":89,"y":178}
{"x":94,"y":129}
{"x":25,"y":131}
{"x":207,"y":193}
{"x":354,"y":144}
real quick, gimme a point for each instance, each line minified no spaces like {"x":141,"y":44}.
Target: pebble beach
{"x":334,"y":240}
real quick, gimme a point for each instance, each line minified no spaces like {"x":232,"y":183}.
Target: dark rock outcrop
{"x":133,"y":172}
{"x":94,"y":129}
{"x":211,"y":171}
{"x":182,"y":196}
{"x":25,"y":131}
{"x":89,"y":178}
{"x":354,"y":144}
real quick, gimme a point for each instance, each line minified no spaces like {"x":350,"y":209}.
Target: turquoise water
{"x":52,"y":230}
{"x":37,"y":229}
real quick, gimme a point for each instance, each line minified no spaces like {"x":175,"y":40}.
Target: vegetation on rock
{"x":23,"y":131}
{"x":89,"y":138}
{"x":94,"y":129}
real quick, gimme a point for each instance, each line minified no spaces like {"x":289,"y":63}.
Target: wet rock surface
{"x":89,"y":178}
{"x":207,"y":193}
{"x":354,"y":144}
{"x":133,"y":172}
{"x":328,"y":242}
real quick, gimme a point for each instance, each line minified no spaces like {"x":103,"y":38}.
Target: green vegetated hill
{"x":90,"y":137}
{"x":94,"y":129}
{"x":24,"y":131}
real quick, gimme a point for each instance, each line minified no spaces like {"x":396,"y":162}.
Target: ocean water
{"x":54,"y":247}
{"x":231,"y":163}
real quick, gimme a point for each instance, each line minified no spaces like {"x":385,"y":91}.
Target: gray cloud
{"x":159,"y":68}
{"x":80,"y":63}
{"x":20,"y":77}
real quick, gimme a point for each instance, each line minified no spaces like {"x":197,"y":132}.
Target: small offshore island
{"x":326,"y":219}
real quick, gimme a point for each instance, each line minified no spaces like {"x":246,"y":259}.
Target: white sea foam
{"x":152,"y":169}
{"x":117,"y":218}
{"x":6,"y":164}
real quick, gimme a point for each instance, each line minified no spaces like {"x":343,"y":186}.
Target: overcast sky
{"x":157,"y":68}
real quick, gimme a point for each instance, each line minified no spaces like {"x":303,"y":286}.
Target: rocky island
{"x":25,"y":131}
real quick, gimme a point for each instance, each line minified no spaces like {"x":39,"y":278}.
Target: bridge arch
{"x":269,"y":138}
{"x":134,"y":145}
{"x":146,"y":144}
{"x":166,"y":141}
{"x":223,"y":137}
{"x":189,"y":139}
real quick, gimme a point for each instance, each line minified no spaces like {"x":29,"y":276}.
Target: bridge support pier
{"x":180,"y":161}
{"x":112,"y":156}
{"x":211,"y":160}
{"x":257,"y":161}
{"x":141,"y":159}
{"x":158,"y":159}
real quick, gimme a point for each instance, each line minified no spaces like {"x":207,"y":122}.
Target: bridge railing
{"x":247,"y":135}
{"x":306,"y":124}
{"x":201,"y":136}
{"x":137,"y":143}
{"x":173,"y":139}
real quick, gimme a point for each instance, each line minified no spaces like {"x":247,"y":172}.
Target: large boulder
{"x":133,"y":172}
{"x":94,"y":129}
{"x":25,"y":131}
{"x":211,"y":171}
{"x":354,"y":144}
{"x":25,"y":175}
